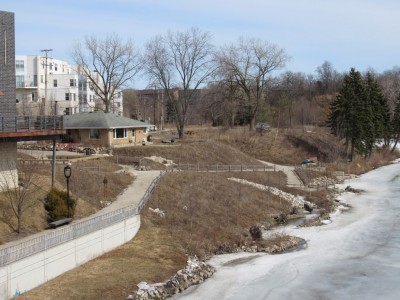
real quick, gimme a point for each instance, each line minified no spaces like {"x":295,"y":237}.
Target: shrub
{"x":255,"y":232}
{"x":56,"y":205}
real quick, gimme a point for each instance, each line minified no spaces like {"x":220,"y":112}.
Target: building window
{"x":55,"y":82}
{"x":19,"y":65}
{"x":120,"y":133}
{"x":33,"y":96}
{"x":72,"y":82}
{"x":41,"y":79}
{"x":55,"y":67}
{"x":20,"y":81}
{"x":35,"y":80}
{"x":67,"y":97}
{"x":94,"y":134}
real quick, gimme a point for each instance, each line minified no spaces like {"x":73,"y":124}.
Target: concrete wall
{"x":36,"y":269}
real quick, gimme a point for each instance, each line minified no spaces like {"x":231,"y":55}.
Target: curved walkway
{"x":134,"y":192}
{"x":292,"y":178}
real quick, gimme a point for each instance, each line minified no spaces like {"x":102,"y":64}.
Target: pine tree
{"x":360,"y":114}
{"x":379,"y":106}
{"x":347,"y":112}
{"x":395,"y":123}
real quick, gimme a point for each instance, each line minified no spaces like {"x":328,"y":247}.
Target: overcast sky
{"x":347,"y":33}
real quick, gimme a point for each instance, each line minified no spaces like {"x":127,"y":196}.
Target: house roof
{"x":100,"y":120}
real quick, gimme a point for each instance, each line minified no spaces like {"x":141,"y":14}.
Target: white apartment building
{"x":66,"y":92}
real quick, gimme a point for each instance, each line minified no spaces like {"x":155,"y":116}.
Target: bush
{"x":56,"y":205}
{"x":255,"y":232}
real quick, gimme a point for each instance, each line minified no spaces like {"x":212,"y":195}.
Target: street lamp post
{"x":67,"y":174}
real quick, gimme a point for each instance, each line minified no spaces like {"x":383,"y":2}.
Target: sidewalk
{"x":292,"y":178}
{"x":134,"y":192}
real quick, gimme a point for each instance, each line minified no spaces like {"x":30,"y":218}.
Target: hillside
{"x":204,"y":213}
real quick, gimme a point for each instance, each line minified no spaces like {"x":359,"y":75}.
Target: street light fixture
{"x":67,"y":174}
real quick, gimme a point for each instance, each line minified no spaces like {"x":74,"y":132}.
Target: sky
{"x":363,"y":34}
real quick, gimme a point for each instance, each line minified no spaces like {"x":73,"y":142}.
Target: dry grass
{"x":204,"y":211}
{"x":152,"y":256}
{"x":192,"y":151}
{"x":86,"y":185}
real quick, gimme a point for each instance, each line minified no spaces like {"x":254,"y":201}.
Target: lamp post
{"x":67,"y":174}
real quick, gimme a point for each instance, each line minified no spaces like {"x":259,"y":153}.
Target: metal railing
{"x":30,"y":123}
{"x":62,"y":235}
{"x":222,"y":168}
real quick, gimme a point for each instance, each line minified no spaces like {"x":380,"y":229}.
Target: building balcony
{"x":31,"y":128}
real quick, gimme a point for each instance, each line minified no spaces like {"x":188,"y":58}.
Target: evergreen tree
{"x":360,"y":114}
{"x":395,"y":123}
{"x":346,"y":112}
{"x":380,"y":110}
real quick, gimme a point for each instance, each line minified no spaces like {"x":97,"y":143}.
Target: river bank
{"x":354,"y":257}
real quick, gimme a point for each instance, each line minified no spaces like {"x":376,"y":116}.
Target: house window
{"x":72,"y":82}
{"x":55,"y":82}
{"x":120,"y":133}
{"x":94,"y":134}
{"x":19,"y":65}
{"x":55,"y":67}
{"x":67,"y":96}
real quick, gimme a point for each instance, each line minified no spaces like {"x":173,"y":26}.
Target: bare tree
{"x":108,"y":64}
{"x":328,"y":78}
{"x":19,"y":192}
{"x":250,"y":63}
{"x":180,"y":63}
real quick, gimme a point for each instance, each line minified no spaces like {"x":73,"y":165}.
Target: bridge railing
{"x":30,"y":123}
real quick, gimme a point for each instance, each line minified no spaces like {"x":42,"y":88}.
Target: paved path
{"x":134,"y":192}
{"x":292,"y":178}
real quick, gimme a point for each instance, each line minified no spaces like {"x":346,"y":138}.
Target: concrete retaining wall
{"x":34,"y":270}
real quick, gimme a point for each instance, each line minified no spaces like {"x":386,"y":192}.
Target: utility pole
{"x":45,"y":78}
{"x":154,"y":108}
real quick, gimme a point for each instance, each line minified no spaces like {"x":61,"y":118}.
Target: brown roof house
{"x":99,"y":129}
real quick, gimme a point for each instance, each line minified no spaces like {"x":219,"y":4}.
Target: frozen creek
{"x":357,"y":256}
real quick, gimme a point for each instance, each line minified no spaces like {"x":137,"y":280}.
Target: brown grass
{"x":207,"y":210}
{"x":152,"y":256}
{"x":86,"y":185}
{"x":204,"y":211}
